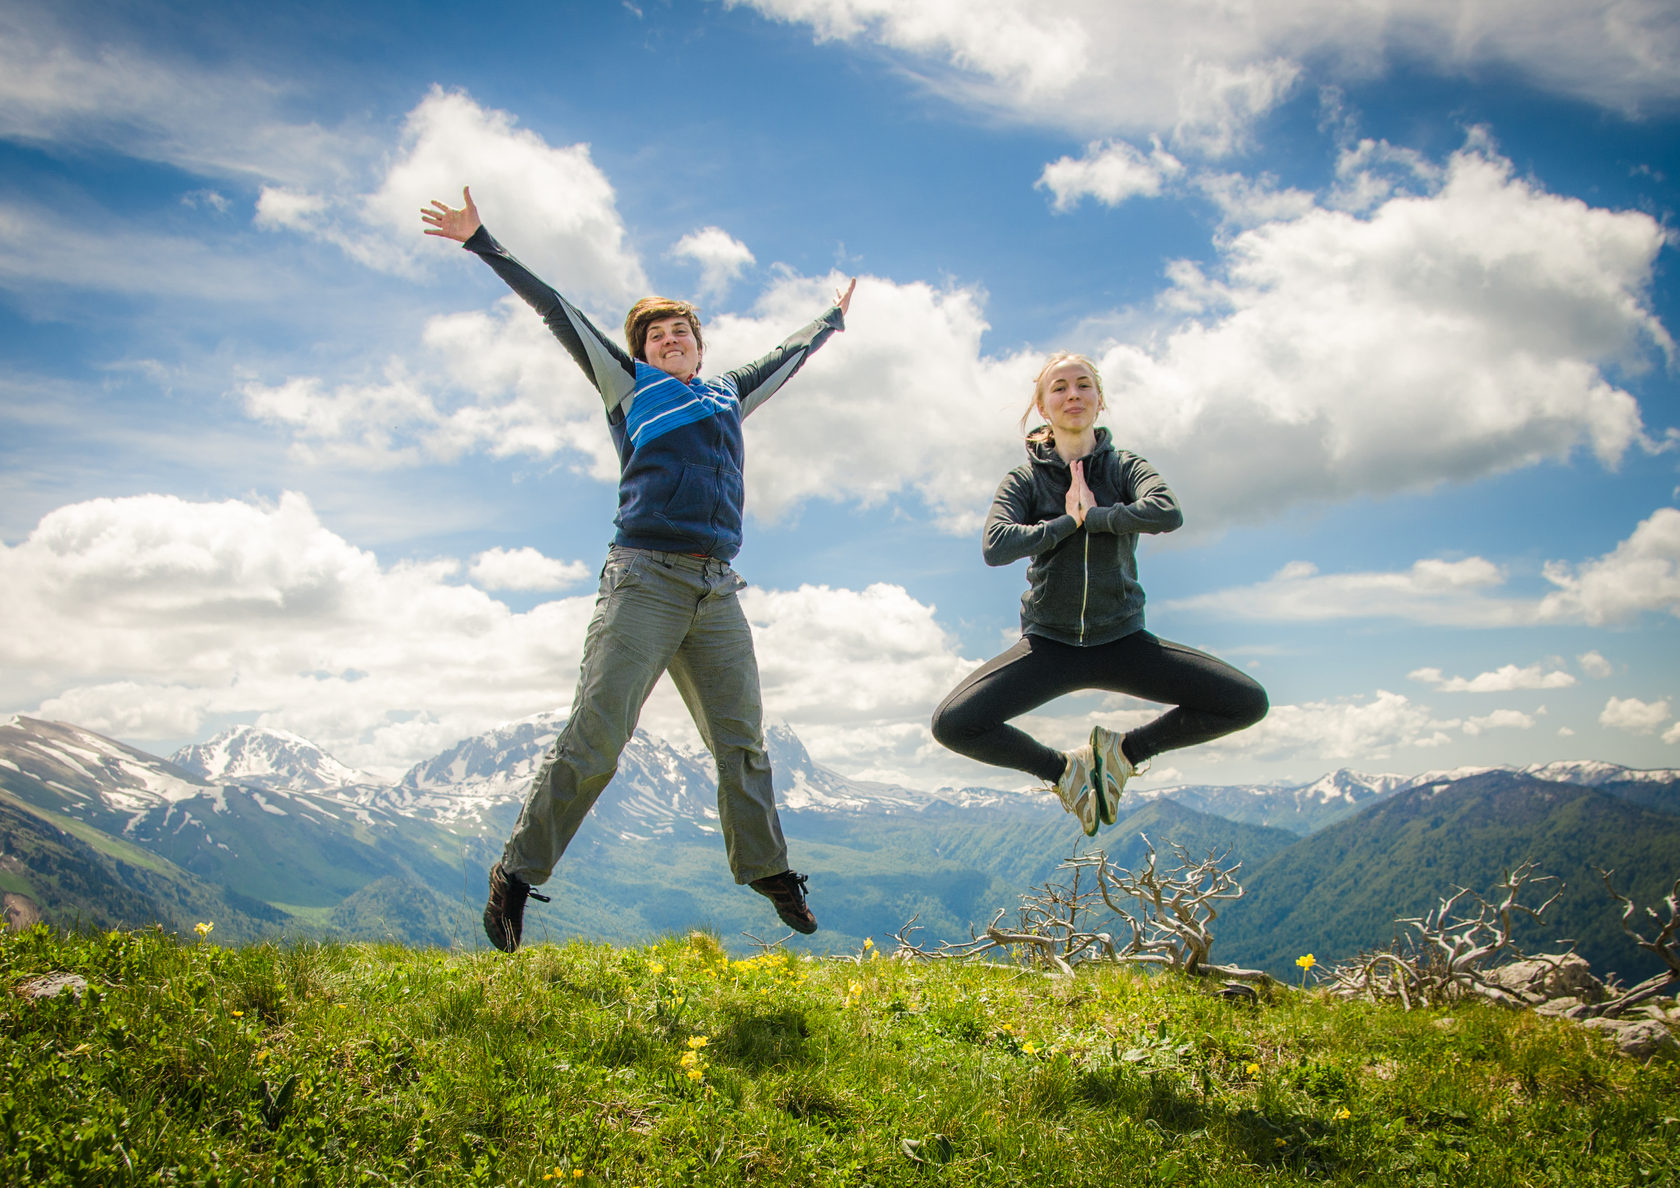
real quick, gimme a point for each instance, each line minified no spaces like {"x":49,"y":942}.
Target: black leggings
{"x":1210,"y":698}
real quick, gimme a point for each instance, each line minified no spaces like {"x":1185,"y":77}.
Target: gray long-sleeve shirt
{"x":1082,"y":585}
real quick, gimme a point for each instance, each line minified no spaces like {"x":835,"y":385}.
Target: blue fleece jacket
{"x":681,"y":461}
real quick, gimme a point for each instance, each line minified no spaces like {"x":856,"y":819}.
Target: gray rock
{"x":1560,"y":975}
{"x":52,"y":985}
{"x":1639,"y":1038}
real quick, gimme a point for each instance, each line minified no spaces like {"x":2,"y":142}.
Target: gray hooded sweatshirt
{"x":1082,"y":580}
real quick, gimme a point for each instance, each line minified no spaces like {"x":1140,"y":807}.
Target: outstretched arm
{"x":607,"y":365}
{"x":758,"y":381}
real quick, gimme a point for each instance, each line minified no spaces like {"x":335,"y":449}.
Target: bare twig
{"x":1665,"y":944}
{"x":1164,"y":918}
{"x":1449,"y":952}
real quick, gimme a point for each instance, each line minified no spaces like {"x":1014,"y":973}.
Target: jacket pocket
{"x":693,"y":502}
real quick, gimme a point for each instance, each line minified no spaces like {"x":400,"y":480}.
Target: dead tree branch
{"x":1665,"y":944}
{"x":1450,"y":951}
{"x":1165,"y":918}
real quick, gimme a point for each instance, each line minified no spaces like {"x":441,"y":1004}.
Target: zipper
{"x":1085,"y":590}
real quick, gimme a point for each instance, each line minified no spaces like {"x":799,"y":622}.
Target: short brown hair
{"x":649,"y":310}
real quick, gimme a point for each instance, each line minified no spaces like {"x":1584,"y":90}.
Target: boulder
{"x":52,"y":985}
{"x":1639,"y":1038}
{"x":1560,"y":975}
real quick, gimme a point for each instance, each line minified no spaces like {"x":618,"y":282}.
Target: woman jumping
{"x":1076,"y":508}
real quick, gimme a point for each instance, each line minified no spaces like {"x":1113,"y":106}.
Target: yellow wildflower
{"x":1306,"y":962}
{"x":203,"y":928}
{"x":237,"y":1014}
{"x":577,"y":1173}
{"x":1253,"y":1069}
{"x":656,"y":968}
{"x":1343,"y":1114}
{"x":694,"y":1074}
{"x":868,"y":943}
{"x":1030,"y":1048}
{"x":698,"y":1041}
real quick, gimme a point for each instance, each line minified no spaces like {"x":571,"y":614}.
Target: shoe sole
{"x":1108,"y":803}
{"x":1096,"y":822}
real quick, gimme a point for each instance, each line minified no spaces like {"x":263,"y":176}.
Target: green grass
{"x":676,"y":1064}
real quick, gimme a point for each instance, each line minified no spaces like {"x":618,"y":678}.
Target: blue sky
{"x":1387,"y":292}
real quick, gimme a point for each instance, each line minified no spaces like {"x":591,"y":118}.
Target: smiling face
{"x":672,"y":347}
{"x":1069,"y":396}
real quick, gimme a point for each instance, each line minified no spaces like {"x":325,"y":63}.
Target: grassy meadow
{"x":676,"y":1064}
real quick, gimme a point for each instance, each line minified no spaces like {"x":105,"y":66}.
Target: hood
{"x":1043,"y":453}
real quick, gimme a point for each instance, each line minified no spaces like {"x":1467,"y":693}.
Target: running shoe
{"x":1113,"y":770}
{"x":787,"y":892}
{"x":504,"y":915}
{"x":1077,"y":789}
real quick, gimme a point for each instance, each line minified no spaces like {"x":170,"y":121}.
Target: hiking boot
{"x":1113,"y":769}
{"x":1077,"y":790}
{"x":787,"y":892}
{"x":504,"y":915}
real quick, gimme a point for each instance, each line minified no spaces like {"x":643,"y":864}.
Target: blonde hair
{"x":649,"y":310}
{"x":1042,"y":433}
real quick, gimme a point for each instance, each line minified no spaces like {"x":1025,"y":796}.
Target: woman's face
{"x":1070,"y":399}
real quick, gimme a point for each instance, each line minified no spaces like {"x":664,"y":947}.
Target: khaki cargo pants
{"x":658,"y":613}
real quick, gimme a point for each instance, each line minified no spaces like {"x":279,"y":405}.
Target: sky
{"x":1387,"y":293}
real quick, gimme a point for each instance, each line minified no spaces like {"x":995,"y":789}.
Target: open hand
{"x":844,"y":300}
{"x":451,"y":223}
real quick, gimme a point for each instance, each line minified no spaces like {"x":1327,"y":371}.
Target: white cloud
{"x":1672,"y":734}
{"x":840,"y":430}
{"x":150,"y":616}
{"x":1505,"y":719}
{"x":1458,"y":593}
{"x":87,"y":81}
{"x":858,"y":672}
{"x":1641,"y":574}
{"x":720,"y":255}
{"x":40,"y":248}
{"x":524,"y":569}
{"x":495,"y":381}
{"x":1504,"y":679}
{"x":1203,"y":71}
{"x":1439,"y":339}
{"x":1331,"y":732}
{"x":1110,"y":173}
{"x":1595,"y":665}
{"x":1634,"y":715}
{"x":549,"y":205}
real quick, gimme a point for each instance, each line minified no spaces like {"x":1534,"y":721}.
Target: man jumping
{"x":668,"y":599}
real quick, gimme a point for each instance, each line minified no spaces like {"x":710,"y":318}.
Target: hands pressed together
{"x":1079,"y":497}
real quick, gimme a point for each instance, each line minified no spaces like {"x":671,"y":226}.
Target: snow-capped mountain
{"x":92,"y":772}
{"x":1592,"y":774}
{"x":258,"y":757}
{"x":1299,"y":808}
{"x":658,"y":786}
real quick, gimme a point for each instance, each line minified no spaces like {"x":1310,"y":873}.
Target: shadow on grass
{"x":1170,"y":1103}
{"x":761,"y":1039}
